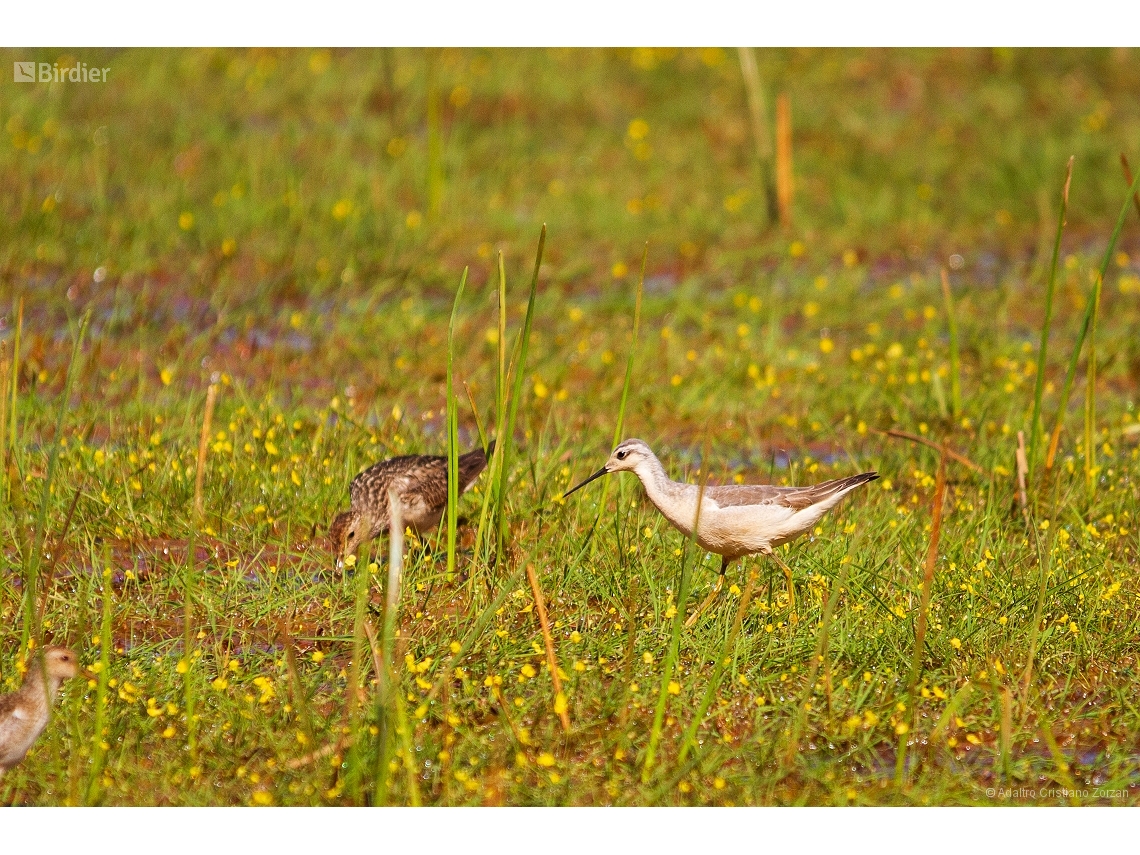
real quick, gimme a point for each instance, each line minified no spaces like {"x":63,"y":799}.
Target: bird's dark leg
{"x":711,"y":598}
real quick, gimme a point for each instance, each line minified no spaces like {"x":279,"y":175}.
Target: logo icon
{"x":24,"y":72}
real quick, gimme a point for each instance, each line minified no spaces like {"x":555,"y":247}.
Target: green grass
{"x":293,"y":225}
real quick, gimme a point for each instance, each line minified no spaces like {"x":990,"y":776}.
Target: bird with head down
{"x":421,"y":483}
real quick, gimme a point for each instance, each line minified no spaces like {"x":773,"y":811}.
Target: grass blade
{"x":1050,"y":290}
{"x":923,"y":613}
{"x":1090,"y":311}
{"x":434,"y":137}
{"x":955,"y":365}
{"x":758,"y":114}
{"x":619,"y":428}
{"x":495,"y":464}
{"x":15,"y":375}
{"x":5,"y":365}
{"x":671,"y":656}
{"x":32,"y":562}
{"x":506,"y":439}
{"x":689,"y":739}
{"x":452,"y":434}
{"x":98,"y":744}
{"x":817,"y":659}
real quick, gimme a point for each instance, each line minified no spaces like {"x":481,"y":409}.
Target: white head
{"x":628,"y":456}
{"x":58,"y":664}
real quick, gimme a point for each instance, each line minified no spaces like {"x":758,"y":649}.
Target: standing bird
{"x":421,"y":481}
{"x":736,"y":519}
{"x":24,"y":713}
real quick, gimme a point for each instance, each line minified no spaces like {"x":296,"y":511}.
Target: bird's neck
{"x":39,"y":690}
{"x":678,"y":502}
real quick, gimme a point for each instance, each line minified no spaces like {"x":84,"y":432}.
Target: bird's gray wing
{"x":796,"y":498}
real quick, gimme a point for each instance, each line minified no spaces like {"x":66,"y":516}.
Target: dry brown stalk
{"x":939,"y":447}
{"x":551,"y":660}
{"x":784,"y":187}
{"x":203,"y":445}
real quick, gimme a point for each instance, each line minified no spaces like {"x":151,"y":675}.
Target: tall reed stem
{"x":386,"y":697}
{"x":98,"y":743}
{"x":452,"y":434}
{"x":33,"y":561}
{"x":955,"y":365}
{"x":1050,"y":290}
{"x":1090,"y":311}
{"x":506,"y":440}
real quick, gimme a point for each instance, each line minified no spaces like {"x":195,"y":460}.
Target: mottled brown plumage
{"x":421,"y":480}
{"x":24,"y":713}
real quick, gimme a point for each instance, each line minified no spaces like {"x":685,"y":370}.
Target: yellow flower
{"x":342,"y":209}
{"x":674,"y":687}
{"x":267,"y":690}
{"x":319,"y":61}
{"x":638,"y":129}
{"x":185,"y":221}
{"x":546,"y":759}
{"x":956,"y":643}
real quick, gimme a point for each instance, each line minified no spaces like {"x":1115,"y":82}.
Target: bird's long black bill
{"x":597,"y":474}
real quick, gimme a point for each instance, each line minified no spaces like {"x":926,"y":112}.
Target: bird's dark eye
{"x":621,"y":455}
{"x":351,"y":535}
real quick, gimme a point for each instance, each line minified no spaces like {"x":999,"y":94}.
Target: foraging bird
{"x":24,"y":713}
{"x":734,"y":520}
{"x":421,"y":481}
